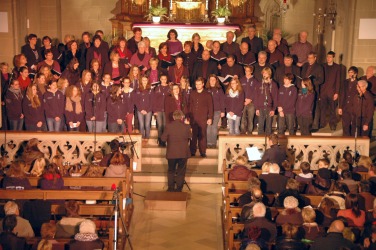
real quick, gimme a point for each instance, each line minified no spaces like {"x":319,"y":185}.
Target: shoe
{"x":193,"y":155}
{"x":314,"y":130}
{"x":170,"y":190}
{"x":203,"y":155}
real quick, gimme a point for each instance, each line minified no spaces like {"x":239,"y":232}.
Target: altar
{"x":157,"y":33}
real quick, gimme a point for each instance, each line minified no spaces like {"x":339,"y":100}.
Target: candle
{"x":149,"y":4}
{"x":161,"y":3}
{"x":170,"y":5}
{"x":207,"y":5}
{"x":216,"y":4}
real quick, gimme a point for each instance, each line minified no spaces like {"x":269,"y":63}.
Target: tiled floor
{"x":199,"y":227}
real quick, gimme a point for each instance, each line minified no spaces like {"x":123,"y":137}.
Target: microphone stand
{"x":95,"y":123}
{"x":130,"y":138}
{"x":116,"y":226}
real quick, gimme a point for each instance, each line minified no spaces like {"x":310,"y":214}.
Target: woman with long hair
{"x":41,"y":83}
{"x":144,"y":107}
{"x":72,"y":72}
{"x":197,"y":47}
{"x":96,"y":70}
{"x":117,"y":166}
{"x":51,"y":177}
{"x":19,"y":61}
{"x":135,"y":78}
{"x":355,"y":216}
{"x":234,"y":103}
{"x":54,"y":107}
{"x":164,"y":57}
{"x":74,"y":113}
{"x":124,"y":53}
{"x":85,"y":83}
{"x":73,"y":52}
{"x":47,"y":231}
{"x":158,"y":101}
{"x":215,"y":89}
{"x":115,"y":67}
{"x":95,"y":108}
{"x":185,"y":88}
{"x":128,"y":96}
{"x":178,"y":70}
{"x":116,"y":110}
{"x":46,"y":71}
{"x":16,"y":176}
{"x":62,"y":84}
{"x":33,"y":110}
{"x":13,"y":105}
{"x":304,"y":106}
{"x":174,"y":101}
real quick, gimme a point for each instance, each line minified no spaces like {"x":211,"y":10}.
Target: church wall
{"x":7,"y":47}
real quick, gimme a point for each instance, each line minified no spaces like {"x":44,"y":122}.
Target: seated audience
{"x":239,"y":172}
{"x":246,"y":198}
{"x":372,"y":179}
{"x":23,"y":227}
{"x":349,"y":182}
{"x":87,"y":238}
{"x":370,"y":241}
{"x":256,"y":196}
{"x":334,"y":239}
{"x":364,"y":164}
{"x":347,"y":156}
{"x":326,"y":212}
{"x":289,"y":239}
{"x":16,"y":177}
{"x":31,"y":152}
{"x":292,"y":189}
{"x":115,"y":147}
{"x":8,"y":239}
{"x":342,"y":166}
{"x":51,"y":178}
{"x":273,"y":182}
{"x":48,"y":231}
{"x":291,"y":214}
{"x":310,"y":227}
{"x":38,"y":167}
{"x":274,"y":154}
{"x":305,"y":177}
{"x":268,"y":228}
{"x":355,"y":216}
{"x":365,"y":197}
{"x":337,"y":194}
{"x":253,"y":237}
{"x":370,"y":221}
{"x":117,"y":166}
{"x":321,"y":184}
{"x":67,"y":227}
{"x":287,"y":169}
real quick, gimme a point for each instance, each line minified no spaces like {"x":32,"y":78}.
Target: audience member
{"x":8,"y":239}
{"x":292,"y":189}
{"x":48,"y":231}
{"x":274,"y":154}
{"x":310,"y":227}
{"x":290,"y":238}
{"x":355,"y":216}
{"x":239,"y":171}
{"x":23,"y":227}
{"x":115,"y":148}
{"x":366,"y":199}
{"x":68,"y":226}
{"x":321,"y":184}
{"x":291,"y":212}
{"x":86,"y":238}
{"x":117,"y":166}
{"x":273,"y":182}
{"x":338,"y":194}
{"x":15,"y":176}
{"x":51,"y":178}
{"x":326,"y":212}
{"x":349,"y":182}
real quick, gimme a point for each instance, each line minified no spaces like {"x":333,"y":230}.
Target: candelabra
{"x":331,"y":13}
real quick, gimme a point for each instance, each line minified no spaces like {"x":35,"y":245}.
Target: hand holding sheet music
{"x":225,"y":79}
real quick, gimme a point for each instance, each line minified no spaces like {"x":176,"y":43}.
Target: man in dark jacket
{"x":204,"y":68}
{"x":177,"y":135}
{"x":334,"y":239}
{"x":274,"y":154}
{"x":273,"y":183}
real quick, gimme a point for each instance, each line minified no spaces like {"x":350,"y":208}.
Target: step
{"x":168,"y":201}
{"x":189,"y":178}
{"x":154,"y":150}
{"x":197,"y":160}
{"x":197,"y":169}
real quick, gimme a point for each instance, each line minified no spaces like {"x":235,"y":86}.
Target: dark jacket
{"x":72,"y":76}
{"x":287,"y":99}
{"x":95,"y":106}
{"x":268,"y":229}
{"x":282,"y":70}
{"x":283,"y":243}
{"x":13,"y":105}
{"x":158,"y":98}
{"x":255,"y":45}
{"x":315,"y":72}
{"x":86,"y":245}
{"x":177,"y":135}
{"x":304,"y":104}
{"x":363,"y":108}
{"x":14,"y":181}
{"x":108,"y":69}
{"x":235,"y":104}
{"x":332,"y":80}
{"x":48,"y":182}
{"x":116,"y":109}
{"x":54,"y":104}
{"x":266,"y":96}
{"x":69,"y":56}
{"x":273,"y":183}
{"x":143,"y":100}
{"x":9,"y":241}
{"x":236,"y":69}
{"x":33,"y":115}
{"x":331,"y":241}
{"x":198,"y":70}
{"x":102,"y":53}
{"x":170,"y":105}
{"x":32,"y":59}
{"x":274,"y":154}
{"x":275,"y":59}
{"x":200,"y":106}
{"x":249,"y":86}
{"x":218,"y":99}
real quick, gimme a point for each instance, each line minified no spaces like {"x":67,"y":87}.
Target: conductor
{"x":177,"y":135}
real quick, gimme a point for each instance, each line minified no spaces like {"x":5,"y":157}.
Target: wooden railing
{"x":74,"y":147}
{"x":298,"y":148}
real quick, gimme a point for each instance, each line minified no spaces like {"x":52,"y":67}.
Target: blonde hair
{"x":35,"y":102}
{"x":309,"y":215}
{"x":266,"y":167}
{"x":10,"y":208}
{"x":241,"y":160}
{"x":365,"y":161}
{"x":38,"y":167}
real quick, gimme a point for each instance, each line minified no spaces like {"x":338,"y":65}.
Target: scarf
{"x":69,"y":105}
{"x":17,"y":92}
{"x":233,"y":94}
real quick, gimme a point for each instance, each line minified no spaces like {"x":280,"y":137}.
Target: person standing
{"x":229,"y":46}
{"x":177,"y":135}
{"x":204,"y":68}
{"x":287,"y":67}
{"x":304,"y":106}
{"x":234,"y":103}
{"x":287,"y":95}
{"x":201,"y":115}
{"x":255,"y":43}
{"x":32,"y":53}
{"x":370,"y":78}
{"x":329,"y":91}
{"x":315,"y":72}
{"x":301,"y":49}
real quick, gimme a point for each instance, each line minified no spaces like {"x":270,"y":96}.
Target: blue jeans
{"x":234,"y":126}
{"x":115,"y":127}
{"x":212,"y":130}
{"x":16,"y":125}
{"x":100,"y":126}
{"x":161,"y":124}
{"x":144,"y":123}
{"x":265,"y":122}
{"x":53,"y":125}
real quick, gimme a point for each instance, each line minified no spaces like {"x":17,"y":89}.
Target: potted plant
{"x":221,"y":13}
{"x":156,"y":13}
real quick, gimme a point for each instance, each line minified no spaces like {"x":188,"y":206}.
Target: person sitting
{"x":365,"y":197}
{"x":253,"y":237}
{"x":67,"y":227}
{"x":239,"y":172}
{"x":246,"y":198}
{"x":117,"y":166}
{"x":370,"y":241}
{"x":115,"y":147}
{"x":291,"y":214}
{"x":364,"y":164}
{"x":51,"y":178}
{"x":268,"y":229}
{"x":16,"y":177}
{"x":87,"y":238}
{"x":292,"y":189}
{"x":38,"y":167}
{"x":288,"y":168}
{"x":349,"y":182}
{"x":370,"y":221}
{"x":310,"y":227}
{"x":8,"y":239}
{"x":342,"y":166}
{"x":355,"y":216}
{"x":334,"y":239}
{"x":31,"y":152}
{"x":48,"y":231}
{"x":321,"y":184}
{"x":338,"y":194}
{"x":326,"y":212}
{"x":289,"y":239}
{"x":247,"y":213}
{"x":273,"y":182}
{"x":347,"y":156}
{"x":23,"y":227}
{"x":274,"y":154}
{"x":306,"y":174}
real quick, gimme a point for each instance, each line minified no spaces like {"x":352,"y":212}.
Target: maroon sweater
{"x":200,"y":106}
{"x":363,"y":107}
{"x":116,"y":109}
{"x":304,"y":104}
{"x":235,"y":104}
{"x":287,"y":99}
{"x":95,"y":106}
{"x":266,"y":96}
{"x":71,"y":116}
{"x":218,"y":99}
{"x":332,"y":80}
{"x":13,"y":104}
{"x":54,"y":104}
{"x":32,"y":115}
{"x":347,"y":93}
{"x":249,"y":86}
{"x":143,"y":100}
{"x":158,"y":98}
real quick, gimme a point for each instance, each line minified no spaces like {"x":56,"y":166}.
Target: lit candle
{"x":170,"y":5}
{"x":149,"y":4}
{"x":207,"y":5}
{"x":216,"y":4}
{"x":161,"y":3}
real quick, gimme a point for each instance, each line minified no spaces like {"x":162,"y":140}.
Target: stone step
{"x":197,"y":160}
{"x":154,"y":151}
{"x":191,"y":168}
{"x":170,"y":201}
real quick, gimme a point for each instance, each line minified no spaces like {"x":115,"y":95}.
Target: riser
{"x":193,"y":161}
{"x":193,"y":169}
{"x":161,"y":152}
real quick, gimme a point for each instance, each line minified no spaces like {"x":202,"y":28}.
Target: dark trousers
{"x":199,"y":135}
{"x":176,"y":173}
{"x":265,"y":122}
{"x":247,"y":119}
{"x":327,"y":104}
{"x":288,"y":121}
{"x":357,"y":123}
{"x":346,"y":123}
{"x":316,"y":114}
{"x":305,"y":123}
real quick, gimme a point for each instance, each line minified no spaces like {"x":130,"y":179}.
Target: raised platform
{"x":162,"y":200}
